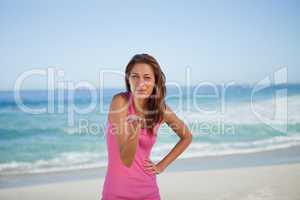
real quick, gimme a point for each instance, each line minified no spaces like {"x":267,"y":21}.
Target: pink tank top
{"x":131,"y":183}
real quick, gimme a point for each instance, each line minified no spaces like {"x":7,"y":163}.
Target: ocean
{"x":65,"y":130}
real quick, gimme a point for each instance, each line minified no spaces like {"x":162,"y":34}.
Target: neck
{"x":139,"y":105}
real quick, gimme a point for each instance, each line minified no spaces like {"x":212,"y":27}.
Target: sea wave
{"x":63,"y":162}
{"x":86,"y":160}
{"x":201,"y":149}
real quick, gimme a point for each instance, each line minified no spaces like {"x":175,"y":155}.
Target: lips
{"x":141,"y":91}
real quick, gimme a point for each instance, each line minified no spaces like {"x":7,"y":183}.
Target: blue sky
{"x":220,"y":41}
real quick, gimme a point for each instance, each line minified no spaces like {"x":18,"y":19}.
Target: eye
{"x":134,"y":76}
{"x":148,"y":78}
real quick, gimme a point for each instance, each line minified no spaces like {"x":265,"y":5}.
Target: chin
{"x":142,"y":95}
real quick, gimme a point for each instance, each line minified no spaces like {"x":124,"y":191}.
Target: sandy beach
{"x":246,"y":183}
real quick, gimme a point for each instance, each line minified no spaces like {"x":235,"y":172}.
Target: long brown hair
{"x":155,"y":105}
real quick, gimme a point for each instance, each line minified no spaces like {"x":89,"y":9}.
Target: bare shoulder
{"x":120,"y":98}
{"x":118,"y":106}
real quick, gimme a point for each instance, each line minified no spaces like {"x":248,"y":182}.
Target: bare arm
{"x":126,"y":131}
{"x":179,"y":127}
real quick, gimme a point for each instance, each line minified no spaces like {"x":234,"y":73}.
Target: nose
{"x":141,"y":83}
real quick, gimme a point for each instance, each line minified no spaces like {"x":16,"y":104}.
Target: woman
{"x":133,"y":120}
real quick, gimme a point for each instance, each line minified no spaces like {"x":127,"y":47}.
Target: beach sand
{"x":247,"y":183}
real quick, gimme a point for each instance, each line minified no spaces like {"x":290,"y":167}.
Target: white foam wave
{"x":207,"y":149}
{"x":86,"y":160}
{"x":244,"y":113}
{"x":65,"y":161}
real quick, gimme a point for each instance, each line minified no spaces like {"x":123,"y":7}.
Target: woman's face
{"x":141,"y":80}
